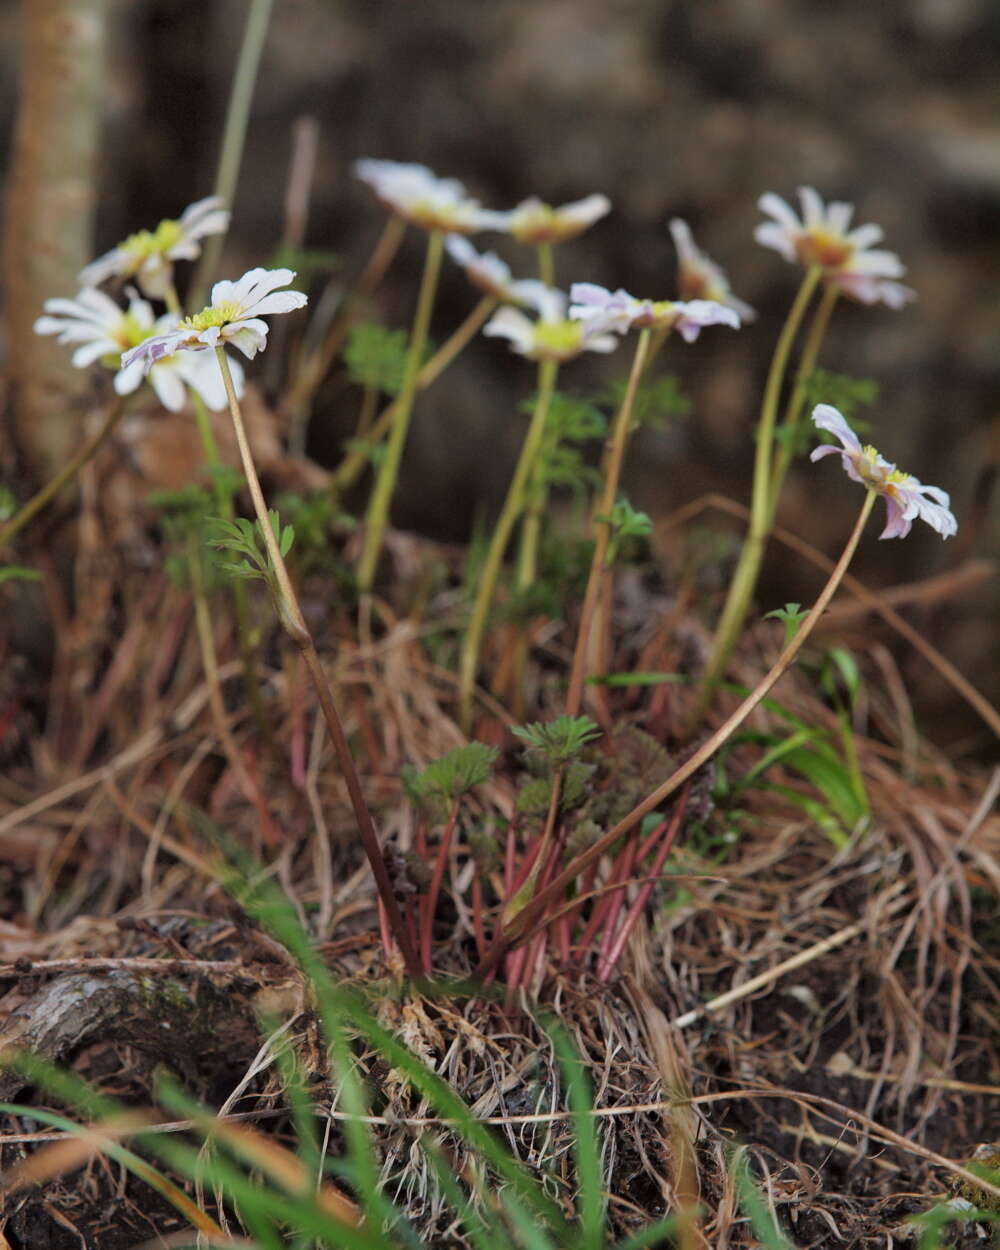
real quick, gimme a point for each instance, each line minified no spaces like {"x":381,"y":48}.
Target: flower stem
{"x":295,"y":626}
{"x":745,"y":577}
{"x":526,"y":919}
{"x":378,"y":507}
{"x":512,"y":508}
{"x":793,"y":412}
{"x":66,"y":474}
{"x":546,"y":263}
{"x":602,"y":522}
{"x":352,"y":465}
{"x":233,"y":137}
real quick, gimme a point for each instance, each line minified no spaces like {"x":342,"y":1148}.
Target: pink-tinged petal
{"x":153,"y":349}
{"x":130,"y":378}
{"x":812,"y":208}
{"x":826,"y":417}
{"x":898,"y":524}
{"x":825,"y":449}
{"x":783,"y":213}
{"x":278,"y":302}
{"x":548,"y":302}
{"x":168,"y":386}
{"x":590,"y":293}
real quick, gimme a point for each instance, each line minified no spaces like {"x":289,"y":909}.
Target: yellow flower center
{"x":820,"y":247}
{"x":146,"y":243}
{"x":558,"y":340}
{"x":216,"y":315}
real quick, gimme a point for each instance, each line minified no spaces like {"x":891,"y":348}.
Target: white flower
{"x":233,"y":318}
{"x":619,"y":311}
{"x":552,"y":336}
{"x":847,"y":257}
{"x":490,"y":274}
{"x":417,"y":195}
{"x":534,"y":221}
{"x":105,"y":332}
{"x":148,"y":255}
{"x":699,"y":277}
{"x":905,"y":497}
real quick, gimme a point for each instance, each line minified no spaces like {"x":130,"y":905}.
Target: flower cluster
{"x":104,"y":331}
{"x":107,"y":333}
{"x":906,"y":498}
{"x":233,"y":318}
{"x":848,"y":258}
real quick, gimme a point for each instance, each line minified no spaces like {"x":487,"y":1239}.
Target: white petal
{"x":780,"y":210}
{"x":826,"y":417}
{"x":813,"y":213}
{"x":168,"y":386}
{"x":278,"y":302}
{"x":770,"y":234}
{"x":129,"y":378}
{"x":94,"y":350}
{"x":103,"y":267}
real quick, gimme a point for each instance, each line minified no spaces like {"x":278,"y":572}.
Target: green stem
{"x":352,"y":465}
{"x":546,"y":263}
{"x":793,"y":412}
{"x":526,"y":920}
{"x":65,"y":475}
{"x":378,"y":507}
{"x":295,"y":626}
{"x":745,"y":577}
{"x":512,"y":508}
{"x":602,"y":527}
{"x":233,"y":137}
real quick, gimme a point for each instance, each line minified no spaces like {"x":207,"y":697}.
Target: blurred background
{"x":670,"y":107}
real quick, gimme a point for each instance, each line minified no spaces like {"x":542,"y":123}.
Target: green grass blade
{"x":586,"y":1147}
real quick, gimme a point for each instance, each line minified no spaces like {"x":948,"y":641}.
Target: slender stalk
{"x":66,"y":474}
{"x":512,"y":508}
{"x":295,"y":626}
{"x":385,"y":483}
{"x":546,"y":263}
{"x":233,"y":137}
{"x":602,"y":536}
{"x":427,"y":927}
{"x":793,"y":412}
{"x":353,"y":464}
{"x":526,"y":919}
{"x":745,"y":577}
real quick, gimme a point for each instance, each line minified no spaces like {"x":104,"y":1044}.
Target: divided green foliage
{"x":571,"y":422}
{"x":241,"y":537}
{"x":842,"y":391}
{"x":657,"y":401}
{"x":314,"y":518}
{"x":451,"y":775}
{"x":187,"y":518}
{"x":376,"y":356}
{"x":791,"y":615}
{"x":561,"y":739}
{"x":627,"y":524}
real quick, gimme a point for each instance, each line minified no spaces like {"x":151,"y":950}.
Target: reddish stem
{"x":430,"y":904}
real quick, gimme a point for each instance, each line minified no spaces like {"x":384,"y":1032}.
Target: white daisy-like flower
{"x":417,"y":195}
{"x":105,"y":332}
{"x":621,"y":312}
{"x":491,"y":275}
{"x":234,"y":318}
{"x":906,"y":498}
{"x":149,"y":255}
{"x":552,"y":336}
{"x":823,"y":237}
{"x":699,"y":277}
{"x":534,"y":221}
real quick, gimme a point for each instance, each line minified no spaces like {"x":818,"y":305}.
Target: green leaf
{"x":792,"y":615}
{"x":453,"y":774}
{"x":842,"y":391}
{"x":561,"y":739}
{"x":17,"y":573}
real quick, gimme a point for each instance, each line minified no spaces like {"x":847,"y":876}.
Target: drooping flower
{"x":417,"y":195}
{"x":906,"y":498}
{"x":552,"y":336}
{"x":619,"y":311}
{"x":233,"y":318}
{"x":105,"y":332}
{"x":699,"y":277}
{"x":534,"y":221}
{"x":149,"y":255}
{"x":491,"y":275}
{"x":823,"y":237}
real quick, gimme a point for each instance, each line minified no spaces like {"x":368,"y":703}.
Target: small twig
{"x":169,"y":966}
